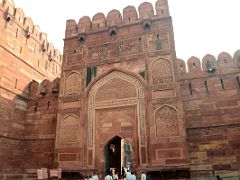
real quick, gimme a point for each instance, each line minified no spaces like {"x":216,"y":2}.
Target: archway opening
{"x":117,"y":156}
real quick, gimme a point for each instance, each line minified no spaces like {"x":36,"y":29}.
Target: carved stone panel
{"x":69,"y":130}
{"x":161,"y":71}
{"x":166,"y":122}
{"x":116,"y":89}
{"x":72,"y":83}
{"x":131,"y":45}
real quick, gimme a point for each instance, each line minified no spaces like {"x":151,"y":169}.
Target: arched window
{"x":161,"y":71}
{"x":166,"y":122}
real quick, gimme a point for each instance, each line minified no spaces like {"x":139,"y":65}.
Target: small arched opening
{"x":117,"y":155}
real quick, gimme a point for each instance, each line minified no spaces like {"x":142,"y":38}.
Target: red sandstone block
{"x":198,"y":174}
{"x":222,"y":167}
{"x":164,"y":154}
{"x":176,"y":161}
{"x":236,"y":166}
{"x":235,"y":145}
{"x":226,"y":103}
{"x":216,"y":152}
{"x":234,"y":110}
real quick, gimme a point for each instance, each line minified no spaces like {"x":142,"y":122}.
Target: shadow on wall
{"x":28,"y":126}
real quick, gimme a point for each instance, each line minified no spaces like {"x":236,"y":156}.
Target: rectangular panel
{"x":72,"y":104}
{"x":68,"y":157}
{"x":90,"y":157}
{"x":168,"y":153}
{"x":163,"y":94}
{"x":143,"y":155}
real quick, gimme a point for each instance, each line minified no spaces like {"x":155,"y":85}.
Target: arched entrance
{"x":116,"y":105}
{"x":117,"y":154}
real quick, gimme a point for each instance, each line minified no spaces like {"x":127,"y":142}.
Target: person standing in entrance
{"x":133,"y":176}
{"x":128,"y":175}
{"x":123,"y":172}
{"x":95,"y":176}
{"x":148,"y":176}
{"x":143,"y":176}
{"x":115,"y":176}
{"x":108,"y":176}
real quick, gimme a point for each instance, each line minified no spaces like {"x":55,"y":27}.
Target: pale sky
{"x":200,"y":26}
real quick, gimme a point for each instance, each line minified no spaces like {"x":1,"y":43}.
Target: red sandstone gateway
{"x":124,"y":101}
{"x":111,"y":112}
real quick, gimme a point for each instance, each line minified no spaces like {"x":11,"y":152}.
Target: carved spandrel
{"x":166,"y":119}
{"x":116,"y":89}
{"x":119,"y":75}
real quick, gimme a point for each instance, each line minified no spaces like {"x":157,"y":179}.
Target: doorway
{"x":117,"y":156}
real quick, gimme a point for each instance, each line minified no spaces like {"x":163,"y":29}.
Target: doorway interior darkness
{"x":117,"y":155}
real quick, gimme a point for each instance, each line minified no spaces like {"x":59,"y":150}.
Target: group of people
{"x":126,"y":176}
{"x":93,"y":177}
{"x":114,"y":176}
{"x":130,"y":175}
{"x":111,"y":176}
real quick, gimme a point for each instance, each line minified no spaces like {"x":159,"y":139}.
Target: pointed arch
{"x":130,"y":77}
{"x":69,"y":129}
{"x":72,"y":82}
{"x":166,"y":121}
{"x":136,"y":102}
{"x":161,"y":69}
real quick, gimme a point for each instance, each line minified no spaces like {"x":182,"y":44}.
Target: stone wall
{"x":25,"y":55}
{"x":211,"y":96}
{"x":40,"y":126}
{"x":120,"y":78}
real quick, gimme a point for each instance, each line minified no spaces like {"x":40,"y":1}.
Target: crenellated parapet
{"x":209,"y":64}
{"x":44,"y":89}
{"x":114,"y":18}
{"x":25,"y":39}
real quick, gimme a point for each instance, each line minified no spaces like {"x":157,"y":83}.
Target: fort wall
{"x":25,"y":55}
{"x":120,"y":78}
{"x":40,"y":126}
{"x":205,"y":95}
{"x":210,"y":91}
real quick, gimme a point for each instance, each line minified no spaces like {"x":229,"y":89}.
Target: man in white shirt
{"x":108,"y":177}
{"x":133,"y":176}
{"x":128,"y":175}
{"x":95,"y":176}
{"x":143,"y":176}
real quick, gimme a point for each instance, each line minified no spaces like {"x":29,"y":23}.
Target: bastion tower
{"x":119,"y":99}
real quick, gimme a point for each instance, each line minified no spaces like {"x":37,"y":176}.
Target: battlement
{"x":44,"y":89}
{"x":115,"y":19}
{"x":224,"y":63}
{"x":15,"y":18}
